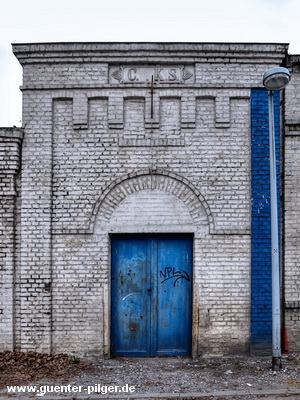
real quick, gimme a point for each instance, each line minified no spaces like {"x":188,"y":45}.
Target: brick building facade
{"x":148,"y":139}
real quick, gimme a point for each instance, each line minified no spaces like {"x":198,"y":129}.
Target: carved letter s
{"x":172,"y":74}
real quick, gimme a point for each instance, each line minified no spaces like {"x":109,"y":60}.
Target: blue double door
{"x":151,"y":303}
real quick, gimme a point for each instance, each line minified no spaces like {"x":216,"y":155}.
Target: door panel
{"x":151,"y":295}
{"x":174,"y":296}
{"x":130,"y":308}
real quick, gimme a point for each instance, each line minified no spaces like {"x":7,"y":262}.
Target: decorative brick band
{"x":292,"y":304}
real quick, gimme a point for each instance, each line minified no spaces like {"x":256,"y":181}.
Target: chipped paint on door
{"x":151,"y":309}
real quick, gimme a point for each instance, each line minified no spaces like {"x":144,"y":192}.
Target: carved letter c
{"x":132,"y":74}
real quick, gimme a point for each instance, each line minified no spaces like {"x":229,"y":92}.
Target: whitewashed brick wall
{"x":93,"y":155}
{"x":292,"y":206}
{"x":10,"y":141}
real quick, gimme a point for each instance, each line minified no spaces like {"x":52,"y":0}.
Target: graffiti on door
{"x":151,"y":295}
{"x":172,"y":273}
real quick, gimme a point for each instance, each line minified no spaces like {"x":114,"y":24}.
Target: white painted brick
{"x":186,"y":167}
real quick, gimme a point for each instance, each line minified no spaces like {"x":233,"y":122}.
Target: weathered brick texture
{"x":292,"y":208}
{"x":133,"y":138}
{"x":10,"y":142}
{"x":261,"y":277}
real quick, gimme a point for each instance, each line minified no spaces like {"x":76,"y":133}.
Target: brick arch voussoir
{"x":144,"y":179}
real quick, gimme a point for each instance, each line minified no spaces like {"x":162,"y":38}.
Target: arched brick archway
{"x":164,"y":185}
{"x":150,"y":202}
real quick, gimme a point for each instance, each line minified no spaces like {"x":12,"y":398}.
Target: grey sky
{"x":132,"y":20}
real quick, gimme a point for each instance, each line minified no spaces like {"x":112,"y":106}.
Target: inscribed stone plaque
{"x":144,"y":74}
